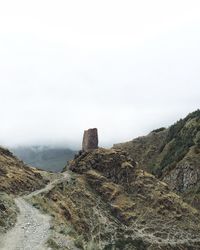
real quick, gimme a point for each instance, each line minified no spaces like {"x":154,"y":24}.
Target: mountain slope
{"x":109,"y":203}
{"x":44,"y":157}
{"x":15,"y":178}
{"x":145,"y":149}
{"x":173,"y":155}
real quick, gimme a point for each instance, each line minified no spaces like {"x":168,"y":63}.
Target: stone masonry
{"x":90,"y":140}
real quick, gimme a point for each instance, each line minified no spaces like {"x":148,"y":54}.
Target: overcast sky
{"x":125,"y":67}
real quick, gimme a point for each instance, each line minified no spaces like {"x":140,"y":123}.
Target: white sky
{"x":125,"y":67}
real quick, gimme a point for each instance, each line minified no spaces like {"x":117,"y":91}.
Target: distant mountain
{"x":44,"y":157}
{"x":173,"y":155}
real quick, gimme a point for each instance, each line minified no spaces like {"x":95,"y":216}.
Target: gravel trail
{"x":32,"y":228}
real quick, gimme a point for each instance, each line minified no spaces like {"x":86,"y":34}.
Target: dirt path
{"x":49,"y":186}
{"x":32,"y":228}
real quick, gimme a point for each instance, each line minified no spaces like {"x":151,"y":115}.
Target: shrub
{"x":158,"y":130}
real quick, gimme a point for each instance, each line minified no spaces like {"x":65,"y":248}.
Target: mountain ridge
{"x":172,"y":154}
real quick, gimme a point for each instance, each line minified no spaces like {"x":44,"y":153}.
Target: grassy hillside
{"x":181,"y":137}
{"x":172,"y":154}
{"x":145,"y":149}
{"x":16,"y":178}
{"x":109,"y":203}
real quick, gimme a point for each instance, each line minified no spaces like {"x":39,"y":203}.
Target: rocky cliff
{"x":173,"y":155}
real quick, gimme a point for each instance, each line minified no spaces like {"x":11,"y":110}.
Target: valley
{"x":139,"y":195}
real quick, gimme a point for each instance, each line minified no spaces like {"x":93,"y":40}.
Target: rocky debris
{"x":90,"y":140}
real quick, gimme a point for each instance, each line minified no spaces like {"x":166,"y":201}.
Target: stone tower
{"x":90,"y":139}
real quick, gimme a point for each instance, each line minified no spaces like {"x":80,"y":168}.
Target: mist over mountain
{"x":79,"y":70}
{"x":44,"y":157}
{"x":139,"y":195}
{"x":82,"y":83}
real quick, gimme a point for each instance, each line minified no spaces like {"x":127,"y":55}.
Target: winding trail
{"x":32,"y":228}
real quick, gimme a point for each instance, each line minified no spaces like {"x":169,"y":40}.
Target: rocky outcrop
{"x":109,"y":203}
{"x":90,"y":140}
{"x":115,"y":164}
{"x":186,"y":175}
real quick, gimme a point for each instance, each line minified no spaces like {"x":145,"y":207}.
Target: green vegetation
{"x":173,"y":155}
{"x":192,"y":196}
{"x":181,"y":137}
{"x":163,"y":149}
{"x":51,"y":243}
{"x":8,"y":212}
{"x":158,"y":130}
{"x":126,"y":244}
{"x":79,"y":242}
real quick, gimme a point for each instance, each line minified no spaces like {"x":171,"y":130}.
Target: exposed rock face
{"x":184,"y":177}
{"x":90,"y":140}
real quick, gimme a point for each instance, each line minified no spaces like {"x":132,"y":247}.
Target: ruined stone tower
{"x":90,"y":139}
